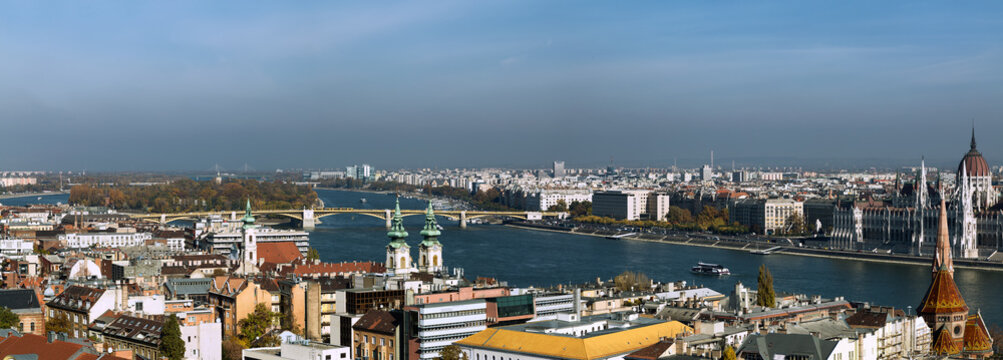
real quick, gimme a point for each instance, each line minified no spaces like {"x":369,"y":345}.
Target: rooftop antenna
{"x":712,"y":159}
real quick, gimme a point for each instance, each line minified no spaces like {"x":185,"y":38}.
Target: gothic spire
{"x":973,"y":135}
{"x":397,"y":233}
{"x":942,"y":257}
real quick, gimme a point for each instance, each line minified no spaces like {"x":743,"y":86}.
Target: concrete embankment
{"x":21,"y":195}
{"x":784,"y":250}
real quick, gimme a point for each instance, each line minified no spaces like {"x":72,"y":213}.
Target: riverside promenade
{"x":711,"y":241}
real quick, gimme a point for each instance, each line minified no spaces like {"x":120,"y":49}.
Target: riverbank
{"x":783,"y":250}
{"x":21,"y":195}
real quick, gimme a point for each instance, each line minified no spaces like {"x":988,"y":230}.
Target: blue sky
{"x":185,"y":85}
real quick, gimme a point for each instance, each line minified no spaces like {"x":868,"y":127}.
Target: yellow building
{"x":591,"y":337}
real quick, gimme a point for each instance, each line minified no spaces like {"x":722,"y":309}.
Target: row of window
{"x":452,"y":314}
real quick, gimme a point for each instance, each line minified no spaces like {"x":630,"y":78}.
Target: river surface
{"x":536,"y":258}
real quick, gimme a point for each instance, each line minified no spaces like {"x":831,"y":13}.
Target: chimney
{"x":578,"y":302}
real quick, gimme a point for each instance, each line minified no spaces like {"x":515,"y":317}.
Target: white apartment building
{"x":16,"y":247}
{"x":202,"y":341}
{"x":629,"y":204}
{"x":223,"y":242}
{"x":777,"y":211}
{"x":765,"y":216}
{"x":544,"y":199}
{"x":85,"y":240}
{"x":442,"y":324}
{"x":658,"y":205}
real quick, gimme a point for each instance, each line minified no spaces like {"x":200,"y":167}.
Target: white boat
{"x":710,"y":269}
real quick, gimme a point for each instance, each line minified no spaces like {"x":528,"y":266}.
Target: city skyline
{"x":306,"y":85}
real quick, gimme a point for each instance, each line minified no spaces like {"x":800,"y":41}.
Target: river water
{"x":537,"y":258}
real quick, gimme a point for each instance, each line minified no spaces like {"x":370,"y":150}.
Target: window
{"x":32,"y":327}
{"x":381,"y":342}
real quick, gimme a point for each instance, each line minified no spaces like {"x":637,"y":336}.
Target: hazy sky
{"x":127,"y":85}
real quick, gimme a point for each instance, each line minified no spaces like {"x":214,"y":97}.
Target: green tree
{"x":765,"y":295}
{"x":729,"y":353}
{"x":8,"y":319}
{"x":452,"y":352}
{"x":255,"y":326}
{"x":580,"y":208}
{"x":559,"y":206}
{"x":171,"y":345}
{"x":312,"y":254}
{"x":59,"y":324}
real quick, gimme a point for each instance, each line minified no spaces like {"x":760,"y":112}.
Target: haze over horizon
{"x":185,"y":85}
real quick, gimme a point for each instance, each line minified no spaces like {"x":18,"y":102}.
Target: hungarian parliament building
{"x":909,"y":223}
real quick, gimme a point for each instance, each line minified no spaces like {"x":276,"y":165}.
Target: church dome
{"x":973,"y":163}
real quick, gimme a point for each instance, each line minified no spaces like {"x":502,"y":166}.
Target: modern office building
{"x":559,"y":169}
{"x":442,"y":324}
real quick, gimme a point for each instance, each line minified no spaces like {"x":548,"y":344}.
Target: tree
{"x":255,"y":326}
{"x":8,"y":319}
{"x":795,"y":225}
{"x":729,"y":353}
{"x":171,"y":345}
{"x":232,"y":349}
{"x":560,"y":206}
{"x":580,"y":208}
{"x":312,"y":254}
{"x":452,"y":352}
{"x":678,"y":215}
{"x":764,"y":293}
{"x":59,"y":324}
{"x":629,"y":280}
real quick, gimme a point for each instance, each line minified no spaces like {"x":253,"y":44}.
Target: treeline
{"x":189,"y":195}
{"x":710,"y":218}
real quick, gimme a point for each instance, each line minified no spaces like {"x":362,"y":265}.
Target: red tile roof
{"x":278,"y":252}
{"x":943,"y":296}
{"x":39,"y":345}
{"x":334,"y":268}
{"x":977,"y":338}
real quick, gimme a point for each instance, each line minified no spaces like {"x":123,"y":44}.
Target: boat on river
{"x":703,"y":268}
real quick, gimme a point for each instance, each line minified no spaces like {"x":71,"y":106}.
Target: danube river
{"x":537,"y":258}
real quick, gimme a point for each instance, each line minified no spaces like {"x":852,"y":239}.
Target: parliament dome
{"x":973,"y":163}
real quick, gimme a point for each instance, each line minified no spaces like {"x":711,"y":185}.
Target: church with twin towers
{"x":907,"y":223}
{"x":399,"y":261}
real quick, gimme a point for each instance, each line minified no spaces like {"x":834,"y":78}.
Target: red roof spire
{"x":942,"y":258}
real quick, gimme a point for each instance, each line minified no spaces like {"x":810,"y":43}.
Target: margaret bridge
{"x":309,"y":218}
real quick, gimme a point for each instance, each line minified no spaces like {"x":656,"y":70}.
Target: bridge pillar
{"x":463,"y":219}
{"x":163,"y":219}
{"x":309,"y":222}
{"x":388,"y":217}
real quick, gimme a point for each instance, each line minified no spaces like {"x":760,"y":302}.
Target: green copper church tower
{"x":430,"y":250}
{"x":398,"y":252}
